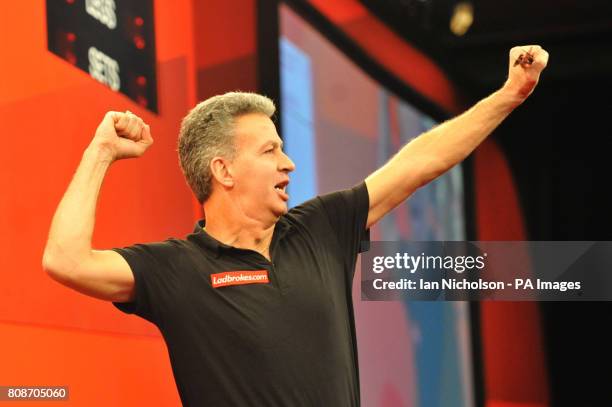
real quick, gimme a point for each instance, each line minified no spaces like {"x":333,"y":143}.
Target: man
{"x":255,"y":306}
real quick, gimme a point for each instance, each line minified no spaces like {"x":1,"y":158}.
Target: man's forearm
{"x":452,"y":141}
{"x":73,"y":223}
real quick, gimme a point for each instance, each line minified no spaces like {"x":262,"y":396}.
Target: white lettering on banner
{"x":416,"y":263}
{"x":447,"y":284}
{"x":104,"y":68}
{"x":103,"y":11}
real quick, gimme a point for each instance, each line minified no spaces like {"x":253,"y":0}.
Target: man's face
{"x":260,"y":169}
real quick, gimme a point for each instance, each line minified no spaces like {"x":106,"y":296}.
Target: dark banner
{"x":474,"y":271}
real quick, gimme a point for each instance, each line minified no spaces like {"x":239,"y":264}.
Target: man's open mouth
{"x":281,"y":186}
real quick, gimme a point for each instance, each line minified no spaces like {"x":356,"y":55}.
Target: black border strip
{"x":267,"y":52}
{"x":471,"y":233}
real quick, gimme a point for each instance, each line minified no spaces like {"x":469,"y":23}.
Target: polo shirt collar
{"x":210,"y":243}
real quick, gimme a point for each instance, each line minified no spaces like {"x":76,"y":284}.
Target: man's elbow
{"x":51,"y":265}
{"x":58,"y":266}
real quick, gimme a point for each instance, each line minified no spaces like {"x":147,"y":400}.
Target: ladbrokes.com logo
{"x":239,"y":277}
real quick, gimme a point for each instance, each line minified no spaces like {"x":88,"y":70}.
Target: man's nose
{"x":286,"y":163}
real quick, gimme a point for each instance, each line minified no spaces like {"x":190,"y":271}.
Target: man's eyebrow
{"x":273,"y":143}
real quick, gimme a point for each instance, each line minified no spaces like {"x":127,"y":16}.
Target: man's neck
{"x":256,"y":239}
{"x":237,"y":230}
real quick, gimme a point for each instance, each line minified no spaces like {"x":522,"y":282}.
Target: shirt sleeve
{"x":347,"y":213}
{"x":154,"y":281}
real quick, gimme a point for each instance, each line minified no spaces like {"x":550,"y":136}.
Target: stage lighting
{"x":462,"y":18}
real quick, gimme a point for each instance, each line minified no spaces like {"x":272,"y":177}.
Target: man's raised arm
{"x":68,"y":257}
{"x":438,"y":150}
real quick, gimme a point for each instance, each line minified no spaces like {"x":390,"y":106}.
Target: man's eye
{"x":269,"y":150}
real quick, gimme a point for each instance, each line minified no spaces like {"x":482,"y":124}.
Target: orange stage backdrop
{"x":50,"y":335}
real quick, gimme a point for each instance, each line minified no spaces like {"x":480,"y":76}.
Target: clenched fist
{"x":526,"y":64}
{"x":122,"y":135}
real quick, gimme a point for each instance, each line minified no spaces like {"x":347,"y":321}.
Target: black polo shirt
{"x":287,"y":341}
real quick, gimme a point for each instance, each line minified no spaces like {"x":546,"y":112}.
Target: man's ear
{"x":221,"y":171}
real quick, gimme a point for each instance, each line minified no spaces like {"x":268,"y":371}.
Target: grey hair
{"x":207,"y":132}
